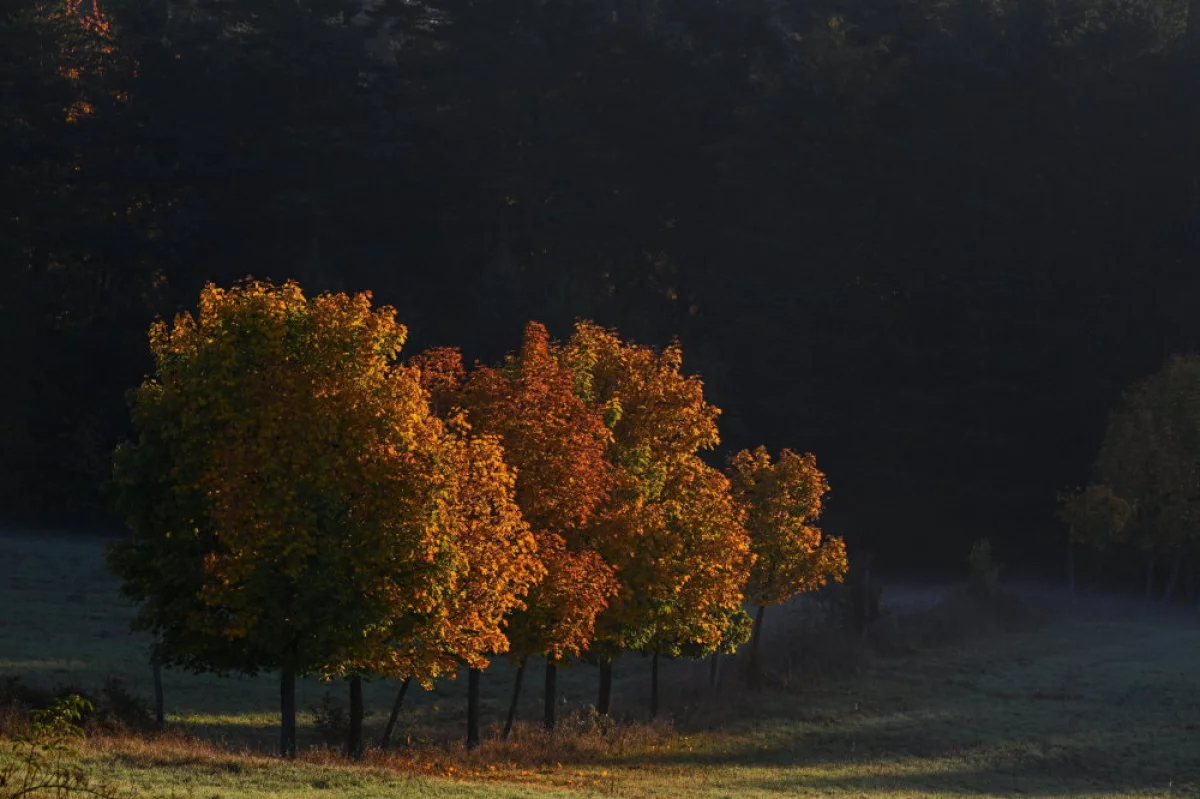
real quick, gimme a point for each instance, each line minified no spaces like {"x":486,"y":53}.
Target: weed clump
{"x":331,"y":720}
{"x":41,"y":755}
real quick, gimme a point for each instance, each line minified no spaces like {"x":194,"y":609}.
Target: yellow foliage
{"x":782,"y":502}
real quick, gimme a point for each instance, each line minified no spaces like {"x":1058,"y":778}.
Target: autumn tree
{"x":1147,"y":486}
{"x":670,"y":526}
{"x":287,"y":490}
{"x":557,"y":444}
{"x":782,"y":501}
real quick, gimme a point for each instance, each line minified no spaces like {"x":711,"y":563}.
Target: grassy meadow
{"x":1094,"y":701}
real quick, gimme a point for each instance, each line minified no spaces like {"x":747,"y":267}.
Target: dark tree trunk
{"x":473,"y":709}
{"x":512,"y":706}
{"x":1149,"y":577}
{"x":1189,"y":580}
{"x":1192,"y":37}
{"x":604,"y":702}
{"x":354,"y":738}
{"x":391,"y":722}
{"x":160,"y":715}
{"x":754,"y":672}
{"x":287,"y":711}
{"x":550,"y":701}
{"x":714,"y":670}
{"x":1071,"y":567}
{"x":654,"y":686}
{"x":1173,"y":579}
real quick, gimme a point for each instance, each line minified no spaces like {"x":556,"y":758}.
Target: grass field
{"x":1097,"y":703}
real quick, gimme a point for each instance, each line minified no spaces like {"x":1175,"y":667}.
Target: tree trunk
{"x":550,"y":702}
{"x":654,"y":686}
{"x":1192,"y":37}
{"x":1149,"y":577}
{"x":160,"y":716}
{"x":391,"y":722}
{"x":354,"y":738}
{"x":512,"y":706}
{"x":714,"y":670}
{"x":287,"y":711}
{"x":754,"y":673}
{"x":1189,"y":580}
{"x":1071,"y":568}
{"x":603,"y":703}
{"x":473,"y":709}
{"x":1173,"y":579}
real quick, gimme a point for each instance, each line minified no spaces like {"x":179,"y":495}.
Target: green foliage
{"x":1147,"y":474}
{"x":288,"y":492}
{"x":42,"y":756}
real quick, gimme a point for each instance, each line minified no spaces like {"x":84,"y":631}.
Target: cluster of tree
{"x":1145,"y":497}
{"x":948,"y":195}
{"x":302,"y":500}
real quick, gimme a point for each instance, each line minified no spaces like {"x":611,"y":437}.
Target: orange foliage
{"x":499,"y":564}
{"x":557,"y":444}
{"x":782,"y":501}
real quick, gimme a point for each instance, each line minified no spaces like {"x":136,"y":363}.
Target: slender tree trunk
{"x":654,"y":686}
{"x":550,"y":702}
{"x":512,"y":706}
{"x":1149,"y":577}
{"x":714,"y":670}
{"x":1192,"y":35}
{"x":473,"y":709}
{"x":1071,"y":567}
{"x":160,"y":715}
{"x":1189,"y":580}
{"x":603,"y":703}
{"x":395,"y":714}
{"x":287,"y":711}
{"x":1173,"y":579}
{"x":354,"y":740}
{"x":754,"y":674}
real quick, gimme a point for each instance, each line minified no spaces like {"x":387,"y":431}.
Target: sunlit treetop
{"x":656,"y":412}
{"x":782,"y":501}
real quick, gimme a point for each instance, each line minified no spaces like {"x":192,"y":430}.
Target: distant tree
{"x":279,"y":490}
{"x":782,"y":501}
{"x":1095,"y":517}
{"x":1147,"y":489}
{"x":670,"y":526}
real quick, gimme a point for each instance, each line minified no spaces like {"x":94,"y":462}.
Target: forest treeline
{"x":929,"y":240}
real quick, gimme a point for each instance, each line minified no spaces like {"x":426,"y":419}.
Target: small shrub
{"x":41,"y":756}
{"x":122,"y":709}
{"x":332,"y":720}
{"x":985,"y":572}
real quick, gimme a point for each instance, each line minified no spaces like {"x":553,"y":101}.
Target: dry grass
{"x":1095,"y":703}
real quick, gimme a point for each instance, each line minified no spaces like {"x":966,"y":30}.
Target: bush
{"x":122,"y":709}
{"x":985,"y":573}
{"x":41,"y":755}
{"x":332,"y":720}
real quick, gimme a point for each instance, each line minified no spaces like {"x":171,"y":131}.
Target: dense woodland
{"x":930,"y":240}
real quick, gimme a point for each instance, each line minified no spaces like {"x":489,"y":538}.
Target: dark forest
{"x":930,"y":240}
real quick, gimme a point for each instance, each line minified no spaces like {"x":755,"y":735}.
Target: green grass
{"x":1097,"y":705}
